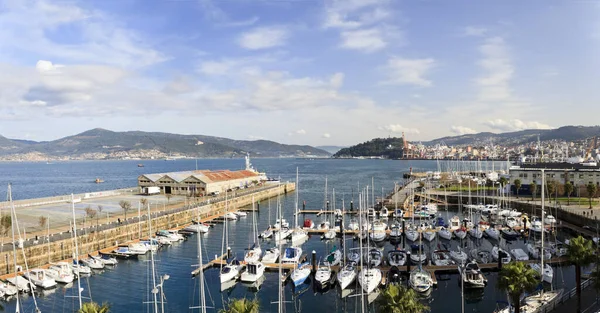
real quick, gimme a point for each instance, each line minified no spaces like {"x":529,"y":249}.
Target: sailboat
{"x":254,"y":253}
{"x":231,"y":270}
{"x":323,"y":276}
{"x":347,"y":273}
{"x":299,"y":235}
{"x":202,"y":299}
{"x":267,"y":233}
{"x":420,"y":280}
{"x":368,"y":278}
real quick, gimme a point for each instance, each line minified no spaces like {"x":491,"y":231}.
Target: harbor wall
{"x":5,"y":205}
{"x":104,"y":235}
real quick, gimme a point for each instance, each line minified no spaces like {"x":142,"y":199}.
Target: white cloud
{"x":515,"y":125}
{"x":474,"y":31}
{"x":215,"y":14}
{"x":263,"y":38}
{"x":351,"y":14}
{"x":402,"y":71}
{"x":462,"y":130}
{"x":253,"y":137}
{"x":301,"y":132}
{"x":397,"y":128}
{"x":326,"y":135}
{"x":498,"y":68}
{"x":366,"y":40}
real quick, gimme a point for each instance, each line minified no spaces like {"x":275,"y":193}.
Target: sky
{"x":297,"y":71}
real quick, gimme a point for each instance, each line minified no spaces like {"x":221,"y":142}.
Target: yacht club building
{"x":578,"y":174}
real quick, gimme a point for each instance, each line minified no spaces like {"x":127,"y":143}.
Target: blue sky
{"x":297,"y":71}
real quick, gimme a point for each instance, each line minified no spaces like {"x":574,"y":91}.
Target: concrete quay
{"x":101,"y":233}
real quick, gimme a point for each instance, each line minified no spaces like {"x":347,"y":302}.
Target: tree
{"x":126,"y":206}
{"x":503,"y":181}
{"x":5,"y":224}
{"x":143,"y":202}
{"x":569,"y":188}
{"x":591,"y":191}
{"x":551,"y":187}
{"x":399,"y":299}
{"x":533,"y":188}
{"x":580,"y":253}
{"x":91,"y":214}
{"x":93,"y":307}
{"x":517,"y":184}
{"x":516,"y":278}
{"x":241,"y":306}
{"x":42,"y":221}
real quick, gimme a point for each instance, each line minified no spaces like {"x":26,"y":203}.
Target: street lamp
{"x":155,"y":290}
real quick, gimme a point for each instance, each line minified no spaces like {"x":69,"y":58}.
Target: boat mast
{"x":77,"y":251}
{"x":543,"y":230}
{"x":279,"y":277}
{"x":296,"y":213}
{"x":12,"y":218}
{"x":254,"y":224}
{"x":201,"y":277}
{"x":360,"y":228}
{"x":151,"y":262}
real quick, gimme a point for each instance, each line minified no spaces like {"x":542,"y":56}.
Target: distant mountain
{"x":97,"y":142}
{"x":567,"y":133}
{"x":331,"y":149}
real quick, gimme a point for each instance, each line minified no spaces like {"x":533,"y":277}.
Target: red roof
{"x":224,"y":175}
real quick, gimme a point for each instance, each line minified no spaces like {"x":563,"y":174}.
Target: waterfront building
{"x":579,"y":174}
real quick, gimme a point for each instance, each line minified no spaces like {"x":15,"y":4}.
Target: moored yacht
{"x":369,"y":279}
{"x":39,"y":278}
{"x":291,"y":255}
{"x":420,"y":280}
{"x":471,"y":275}
{"x":254,"y":271}
{"x":346,"y":275}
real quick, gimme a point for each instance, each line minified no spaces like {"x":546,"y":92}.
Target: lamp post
{"x":163,"y":278}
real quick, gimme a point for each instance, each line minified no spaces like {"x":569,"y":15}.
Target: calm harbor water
{"x":127,"y":286}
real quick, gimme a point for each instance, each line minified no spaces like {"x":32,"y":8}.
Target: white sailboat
{"x":368,"y":278}
{"x":420,"y":280}
{"x":231,"y":270}
{"x":299,"y":235}
{"x":254,"y":253}
{"x":271,"y":255}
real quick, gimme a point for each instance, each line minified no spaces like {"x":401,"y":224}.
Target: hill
{"x":99,"y":142}
{"x":378,"y":147}
{"x":331,"y":149}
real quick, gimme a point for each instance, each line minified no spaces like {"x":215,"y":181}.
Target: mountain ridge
{"x":99,"y":142}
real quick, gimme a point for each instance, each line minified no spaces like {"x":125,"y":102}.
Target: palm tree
{"x":580,"y":253}
{"x":516,"y":278}
{"x":551,"y":187}
{"x":241,"y":306}
{"x":533,"y":188}
{"x":503,"y":181}
{"x":517,"y":184}
{"x":399,"y":299}
{"x":93,"y":307}
{"x":591,"y":191}
{"x":125,"y":205}
{"x":569,"y":188}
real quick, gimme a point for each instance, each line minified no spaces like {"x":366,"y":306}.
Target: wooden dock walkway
{"x":268,"y":266}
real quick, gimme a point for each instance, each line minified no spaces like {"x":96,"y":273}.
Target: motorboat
{"x":308,"y":223}
{"x":231,"y":271}
{"x":22,"y":284}
{"x":397,"y":257}
{"x":455,"y":223}
{"x":519,"y":254}
{"x":458,"y":256}
{"x":549,"y":220}
{"x":441,"y":258}
{"x":420,"y":280}
{"x":8,"y":290}
{"x":346,"y":275}
{"x":539,"y":302}
{"x":384,"y":213}
{"x":369,"y":279}
{"x":106,"y":259}
{"x":509,"y":234}
{"x":240,"y":213}
{"x":271,"y":255}
{"x":535,"y":251}
{"x":299,"y":235}
{"x":492,"y":233}
{"x":172,"y":237}
{"x":323,"y":225}
{"x":230,"y":216}
{"x":481,"y":256}
{"x":328,"y":235}
{"x":80,"y":269}
{"x":291,"y":255}
{"x":429,"y":234}
{"x":471,"y":276}
{"x":151,"y":244}
{"x":444,"y":233}
{"x":283,"y":234}
{"x":323,"y":276}
{"x":39,"y":278}
{"x":60,"y":272}
{"x":253,"y":254}
{"x":333,"y":258}
{"x":512,"y":222}
{"x":254,"y":271}
{"x":496,"y":251}
{"x":374,"y":258}
{"x":547,"y":274}
{"x":558,"y":249}
{"x":267,"y":233}
{"x":460,"y":233}
{"x":394,"y":275}
{"x":300,"y":274}
{"x":475,"y":233}
{"x":353,"y":224}
{"x":197,"y":228}
{"x":92,"y":263}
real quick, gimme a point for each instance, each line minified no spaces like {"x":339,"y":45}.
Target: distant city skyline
{"x":297,"y":72}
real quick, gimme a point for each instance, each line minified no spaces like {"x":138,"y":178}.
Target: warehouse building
{"x":201,"y":182}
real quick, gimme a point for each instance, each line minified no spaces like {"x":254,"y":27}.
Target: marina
{"x":214,"y":259}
